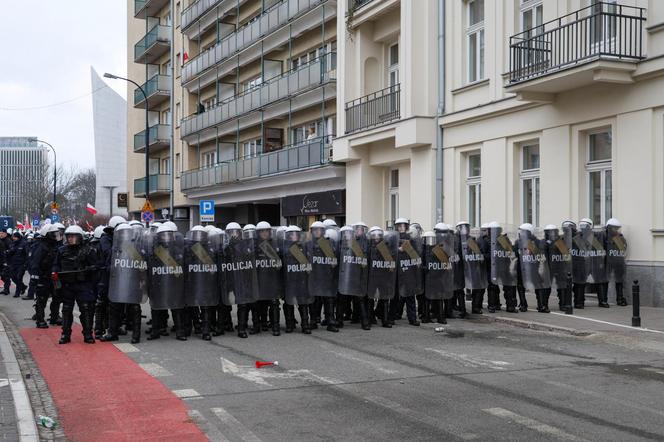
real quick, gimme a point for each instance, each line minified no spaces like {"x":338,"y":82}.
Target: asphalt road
{"x":476,"y":380}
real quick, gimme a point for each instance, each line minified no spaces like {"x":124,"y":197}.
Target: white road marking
{"x":470,"y":361}
{"x":235,"y":425}
{"x":126,"y":348}
{"x":376,"y":366}
{"x":4,"y":382}
{"x":211,"y":431}
{"x":258,"y":375}
{"x":575,"y":316}
{"x":532,"y":424}
{"x":155,"y":370}
{"x":654,"y":370}
{"x":187,"y":393}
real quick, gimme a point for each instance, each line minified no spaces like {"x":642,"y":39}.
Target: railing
{"x":357,"y":4}
{"x":303,"y":155}
{"x":271,"y":19}
{"x":158,"y":33}
{"x":308,"y":76}
{"x":374,"y":109}
{"x":196,"y":9}
{"x":605,"y":30}
{"x":158,"y":183}
{"x":158,"y":132}
{"x":158,"y":83}
{"x":138,"y":5}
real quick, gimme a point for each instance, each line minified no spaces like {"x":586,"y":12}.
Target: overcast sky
{"x":48,"y":47}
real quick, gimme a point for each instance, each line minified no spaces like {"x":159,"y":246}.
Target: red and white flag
{"x":185,"y":57}
{"x":90,"y":208}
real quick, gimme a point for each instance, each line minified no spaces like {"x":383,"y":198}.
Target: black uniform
{"x":5,"y":275}
{"x":17,"y":260}
{"x":40,"y":266}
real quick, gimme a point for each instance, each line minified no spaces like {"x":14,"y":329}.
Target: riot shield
{"x":200,"y":270}
{"x":166,"y":271}
{"x":580,"y":258}
{"x":383,"y":252}
{"x":534,"y":265}
{"x":217,"y":239}
{"x":410,"y":279}
{"x":474,"y":265}
{"x":559,"y":253}
{"x":504,"y":260}
{"x":297,"y":269}
{"x":616,"y":255}
{"x":269,"y":266}
{"x":598,"y":273}
{"x":323,"y":252}
{"x":239,"y":269}
{"x":128,"y":268}
{"x":353,"y":264}
{"x":440,"y":259}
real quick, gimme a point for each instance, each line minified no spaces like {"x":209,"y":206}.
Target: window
{"x":600,"y":178}
{"x":301,"y":132}
{"x":474,"y":189}
{"x":210,"y":102}
{"x":250,"y":149}
{"x":317,"y":55}
{"x":165,"y":166}
{"x":475,"y":40}
{"x":252,"y":83}
{"x":393,"y":65}
{"x":166,"y":117}
{"x":603,"y":24}
{"x":166,"y":68}
{"x":531,"y":17}
{"x":530,"y":183}
{"x":167,"y":19}
{"x":208,"y":159}
{"x":394,"y":194}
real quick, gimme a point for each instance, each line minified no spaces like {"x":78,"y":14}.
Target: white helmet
{"x":527,"y":227}
{"x":462,"y":223}
{"x":122,"y":227}
{"x":134,"y":222}
{"x":401,"y":221}
{"x":440,"y":226}
{"x":115,"y":220}
{"x":217,"y":230}
{"x":428,"y":234}
{"x":493,"y":225}
{"x":586,"y":221}
{"x":233,"y":226}
{"x":99,"y":230}
{"x":329,"y":222}
{"x":263,"y":225}
{"x":317,"y":225}
{"x":568,"y":222}
{"x":292,"y":228}
{"x":360,"y":224}
{"x":248,"y":227}
{"x":484,"y":226}
{"x":45,"y":229}
{"x":613,"y":222}
{"x":198,"y":229}
{"x":171,"y":225}
{"x":74,"y":230}
{"x":346,"y":229}
{"x":209,"y":228}
{"x":550,"y":227}
{"x":59,"y":226}
{"x":166,"y":228}
{"x":375,"y":229}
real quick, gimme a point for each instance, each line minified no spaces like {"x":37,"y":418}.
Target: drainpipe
{"x":440,"y":111}
{"x":173,"y":116}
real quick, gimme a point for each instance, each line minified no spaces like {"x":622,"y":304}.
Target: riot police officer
{"x":534,"y":266}
{"x":17,"y":260}
{"x":40,"y":266}
{"x":270,"y":278}
{"x":73,"y":269}
{"x":5,"y":243}
{"x":559,"y":256}
{"x":102,"y":307}
{"x":297,"y":270}
{"x":354,"y":269}
{"x":474,"y":267}
{"x":409,"y":270}
{"x":323,"y":250}
{"x":383,"y":255}
{"x":616,"y":254}
{"x":504,"y":263}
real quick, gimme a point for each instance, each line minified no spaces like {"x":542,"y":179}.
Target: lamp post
{"x":147,"y":132}
{"x":110,"y":200}
{"x":55,"y":166}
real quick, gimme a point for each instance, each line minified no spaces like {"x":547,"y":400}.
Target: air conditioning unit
{"x":181,"y":213}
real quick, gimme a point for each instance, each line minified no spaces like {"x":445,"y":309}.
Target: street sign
{"x":147,"y":216}
{"x":147,"y":207}
{"x":207,"y":211}
{"x":55,"y":218}
{"x":35,"y":222}
{"x":122,"y":200}
{"x":6,"y":222}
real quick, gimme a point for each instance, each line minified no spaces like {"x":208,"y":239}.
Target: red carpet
{"x":102,"y":395}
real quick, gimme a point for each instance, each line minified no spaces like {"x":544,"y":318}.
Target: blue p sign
{"x":207,"y":211}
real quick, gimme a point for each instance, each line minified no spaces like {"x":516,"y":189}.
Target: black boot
{"x":179,"y":318}
{"x":340,"y":312}
{"x":440,"y":311}
{"x":603,"y":294}
{"x":493,"y":298}
{"x":158,"y":322}
{"x":255,"y":319}
{"x":523,"y":302}
{"x":461,"y":303}
{"x":114,"y":320}
{"x":384,"y":309}
{"x":40,"y":307}
{"x":304,"y":319}
{"x":361,"y":305}
{"x":509,"y":292}
{"x":242,"y":320}
{"x":101,"y":318}
{"x":87,"y":319}
{"x":289,"y":316}
{"x":275,"y":317}
{"x":228,"y":318}
{"x":477,"y":300}
{"x":546,"y":293}
{"x":426,"y":311}
{"x":135,"y":311}
{"x":56,"y":302}
{"x":538,"y":297}
{"x":620,"y":297}
{"x":219,"y":320}
{"x":314,"y":312}
{"x":263,"y":307}
{"x":328,"y":308}
{"x":67,"y":321}
{"x":205,"y":323}
{"x":579,"y":295}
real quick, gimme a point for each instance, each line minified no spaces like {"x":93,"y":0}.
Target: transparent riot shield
{"x":128,"y":268}
{"x":559,"y":253}
{"x":166,"y":272}
{"x":239,"y":269}
{"x":534,"y":265}
{"x":200,"y":270}
{"x":598,"y":273}
{"x":410,"y":278}
{"x":323,"y":252}
{"x":269,"y":266}
{"x":383,"y":251}
{"x":297,"y":267}
{"x":474,"y":265}
{"x":353,"y":264}
{"x":616,"y":255}
{"x":440,"y":260}
{"x":504,"y":261}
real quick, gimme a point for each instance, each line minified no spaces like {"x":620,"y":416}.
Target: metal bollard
{"x":569,"y":303}
{"x":636,"y":305}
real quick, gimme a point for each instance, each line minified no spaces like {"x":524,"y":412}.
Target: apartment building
{"x":554,"y":110}
{"x":23,"y":161}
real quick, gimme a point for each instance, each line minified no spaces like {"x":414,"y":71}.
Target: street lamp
{"x":110,"y":206}
{"x":147,"y":132}
{"x":55,"y":166}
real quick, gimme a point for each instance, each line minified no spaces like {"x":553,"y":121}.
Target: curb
{"x":533,"y":325}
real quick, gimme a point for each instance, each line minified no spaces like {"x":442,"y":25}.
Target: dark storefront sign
{"x":320,"y":203}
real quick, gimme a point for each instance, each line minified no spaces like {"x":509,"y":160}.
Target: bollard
{"x":636,"y":305}
{"x":568,"y":306}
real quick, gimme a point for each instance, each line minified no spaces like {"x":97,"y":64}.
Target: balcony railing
{"x":303,"y":155}
{"x":306,"y":77}
{"x":147,"y":7}
{"x":199,"y":7}
{"x":603,"y":30}
{"x":357,"y":4}
{"x":158,"y":84}
{"x":154,"y":44}
{"x":271,"y":19}
{"x":374,"y":109}
{"x":159,"y":183}
{"x":159,"y":134}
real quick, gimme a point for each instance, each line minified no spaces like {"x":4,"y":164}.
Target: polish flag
{"x":185,"y":57}
{"x":90,"y":208}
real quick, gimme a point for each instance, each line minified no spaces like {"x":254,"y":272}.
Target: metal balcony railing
{"x":357,"y":4}
{"x":159,"y":183}
{"x":306,"y":77}
{"x":157,"y":84}
{"x":271,"y":19}
{"x":602,"y":30}
{"x":159,"y":34}
{"x":199,"y":7}
{"x":303,"y":155}
{"x":374,"y":109}
{"x":147,"y":7}
{"x":158,"y":134}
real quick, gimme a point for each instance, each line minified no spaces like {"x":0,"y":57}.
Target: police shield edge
{"x":440,"y":260}
{"x":323,"y":252}
{"x":200,"y":270}
{"x":128,"y":268}
{"x":166,"y":271}
{"x":383,"y":255}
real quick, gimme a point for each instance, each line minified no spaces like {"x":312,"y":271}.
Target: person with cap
{"x":17,"y":260}
{"x":73,"y":267}
{"x":40,"y":265}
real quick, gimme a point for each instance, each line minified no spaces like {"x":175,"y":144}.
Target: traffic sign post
{"x":147,"y":217}
{"x":207,"y":211}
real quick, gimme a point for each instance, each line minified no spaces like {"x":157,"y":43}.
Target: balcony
{"x":373,"y":110}
{"x":303,"y":155}
{"x":357,"y":4}
{"x":160,"y":184}
{"x":157,"y":89}
{"x":601,"y":42}
{"x":155,"y":44}
{"x":269,"y":21}
{"x":159,"y":137}
{"x":307,"y":77}
{"x":148,"y":8}
{"x":205,"y":14}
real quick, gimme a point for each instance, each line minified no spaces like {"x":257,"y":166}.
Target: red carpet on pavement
{"x":102,"y":395}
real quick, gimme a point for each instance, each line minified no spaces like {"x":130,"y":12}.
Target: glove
{"x":54,"y":276}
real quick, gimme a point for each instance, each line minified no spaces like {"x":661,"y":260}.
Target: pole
{"x":110,"y":206}
{"x":636,"y":305}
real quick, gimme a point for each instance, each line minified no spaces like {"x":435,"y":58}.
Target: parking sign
{"x":207,"y":211}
